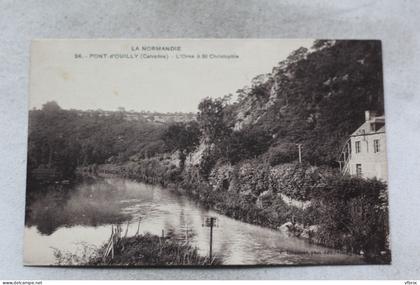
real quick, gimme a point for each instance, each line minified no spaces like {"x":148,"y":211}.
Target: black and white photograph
{"x":206,"y":153}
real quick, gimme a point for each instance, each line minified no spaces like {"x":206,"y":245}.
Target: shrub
{"x":352,"y":215}
{"x":207,"y":162}
{"x":283,"y":153}
{"x":149,"y":250}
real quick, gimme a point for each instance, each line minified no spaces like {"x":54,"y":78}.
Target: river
{"x":86,"y":213}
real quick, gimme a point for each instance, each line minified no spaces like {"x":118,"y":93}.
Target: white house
{"x":364,"y":154}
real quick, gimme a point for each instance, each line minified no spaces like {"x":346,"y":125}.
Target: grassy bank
{"x":142,"y":250}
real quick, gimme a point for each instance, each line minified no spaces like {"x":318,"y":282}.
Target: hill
{"x":315,"y":97}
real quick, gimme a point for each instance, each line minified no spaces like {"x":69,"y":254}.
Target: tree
{"x":183,"y":137}
{"x":211,"y":119}
{"x":51,"y":106}
{"x":244,"y":144}
{"x":64,"y":139}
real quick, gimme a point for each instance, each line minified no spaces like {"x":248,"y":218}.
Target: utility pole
{"x":300,"y":152}
{"x":138,"y":228}
{"x":211,"y":237}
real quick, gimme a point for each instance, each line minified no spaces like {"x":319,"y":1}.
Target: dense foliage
{"x":322,"y":96}
{"x":183,"y":137}
{"x":354,"y":215}
{"x":64,"y":139}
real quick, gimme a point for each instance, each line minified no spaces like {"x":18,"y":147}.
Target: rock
{"x":309,"y":232}
{"x":286,"y":228}
{"x":298,"y":227}
{"x":292,"y":229}
{"x":314,"y":228}
{"x":295,"y":203}
{"x":305,"y":234}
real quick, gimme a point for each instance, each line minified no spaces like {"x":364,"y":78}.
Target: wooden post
{"x":112,"y":246}
{"x":161,"y":240}
{"x":126,"y":230}
{"x":211,"y":237}
{"x":210,"y":223}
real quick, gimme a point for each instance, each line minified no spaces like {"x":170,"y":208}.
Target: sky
{"x":108,"y":74}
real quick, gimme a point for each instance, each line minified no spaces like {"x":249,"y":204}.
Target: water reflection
{"x":91,"y":203}
{"x":85,"y":214}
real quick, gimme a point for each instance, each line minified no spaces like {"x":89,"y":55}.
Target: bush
{"x":284,"y":153}
{"x":208,"y":161}
{"x":352,"y":215}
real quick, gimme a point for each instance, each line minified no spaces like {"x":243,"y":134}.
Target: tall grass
{"x":142,"y":250}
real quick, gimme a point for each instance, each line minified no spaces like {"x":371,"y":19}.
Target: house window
{"x":376,"y":146}
{"x":358,"y":170}
{"x":357,"y":146}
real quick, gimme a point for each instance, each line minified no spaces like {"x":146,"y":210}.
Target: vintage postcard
{"x":206,"y":152}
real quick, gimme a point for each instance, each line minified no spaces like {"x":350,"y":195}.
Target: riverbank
{"x":139,"y":250}
{"x":344,"y":213}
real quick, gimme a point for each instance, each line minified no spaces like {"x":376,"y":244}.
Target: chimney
{"x":369,"y":115}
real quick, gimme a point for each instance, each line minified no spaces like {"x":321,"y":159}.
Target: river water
{"x":86,"y":213}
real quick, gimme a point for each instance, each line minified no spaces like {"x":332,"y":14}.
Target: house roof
{"x":381,"y":130}
{"x":372,"y":126}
